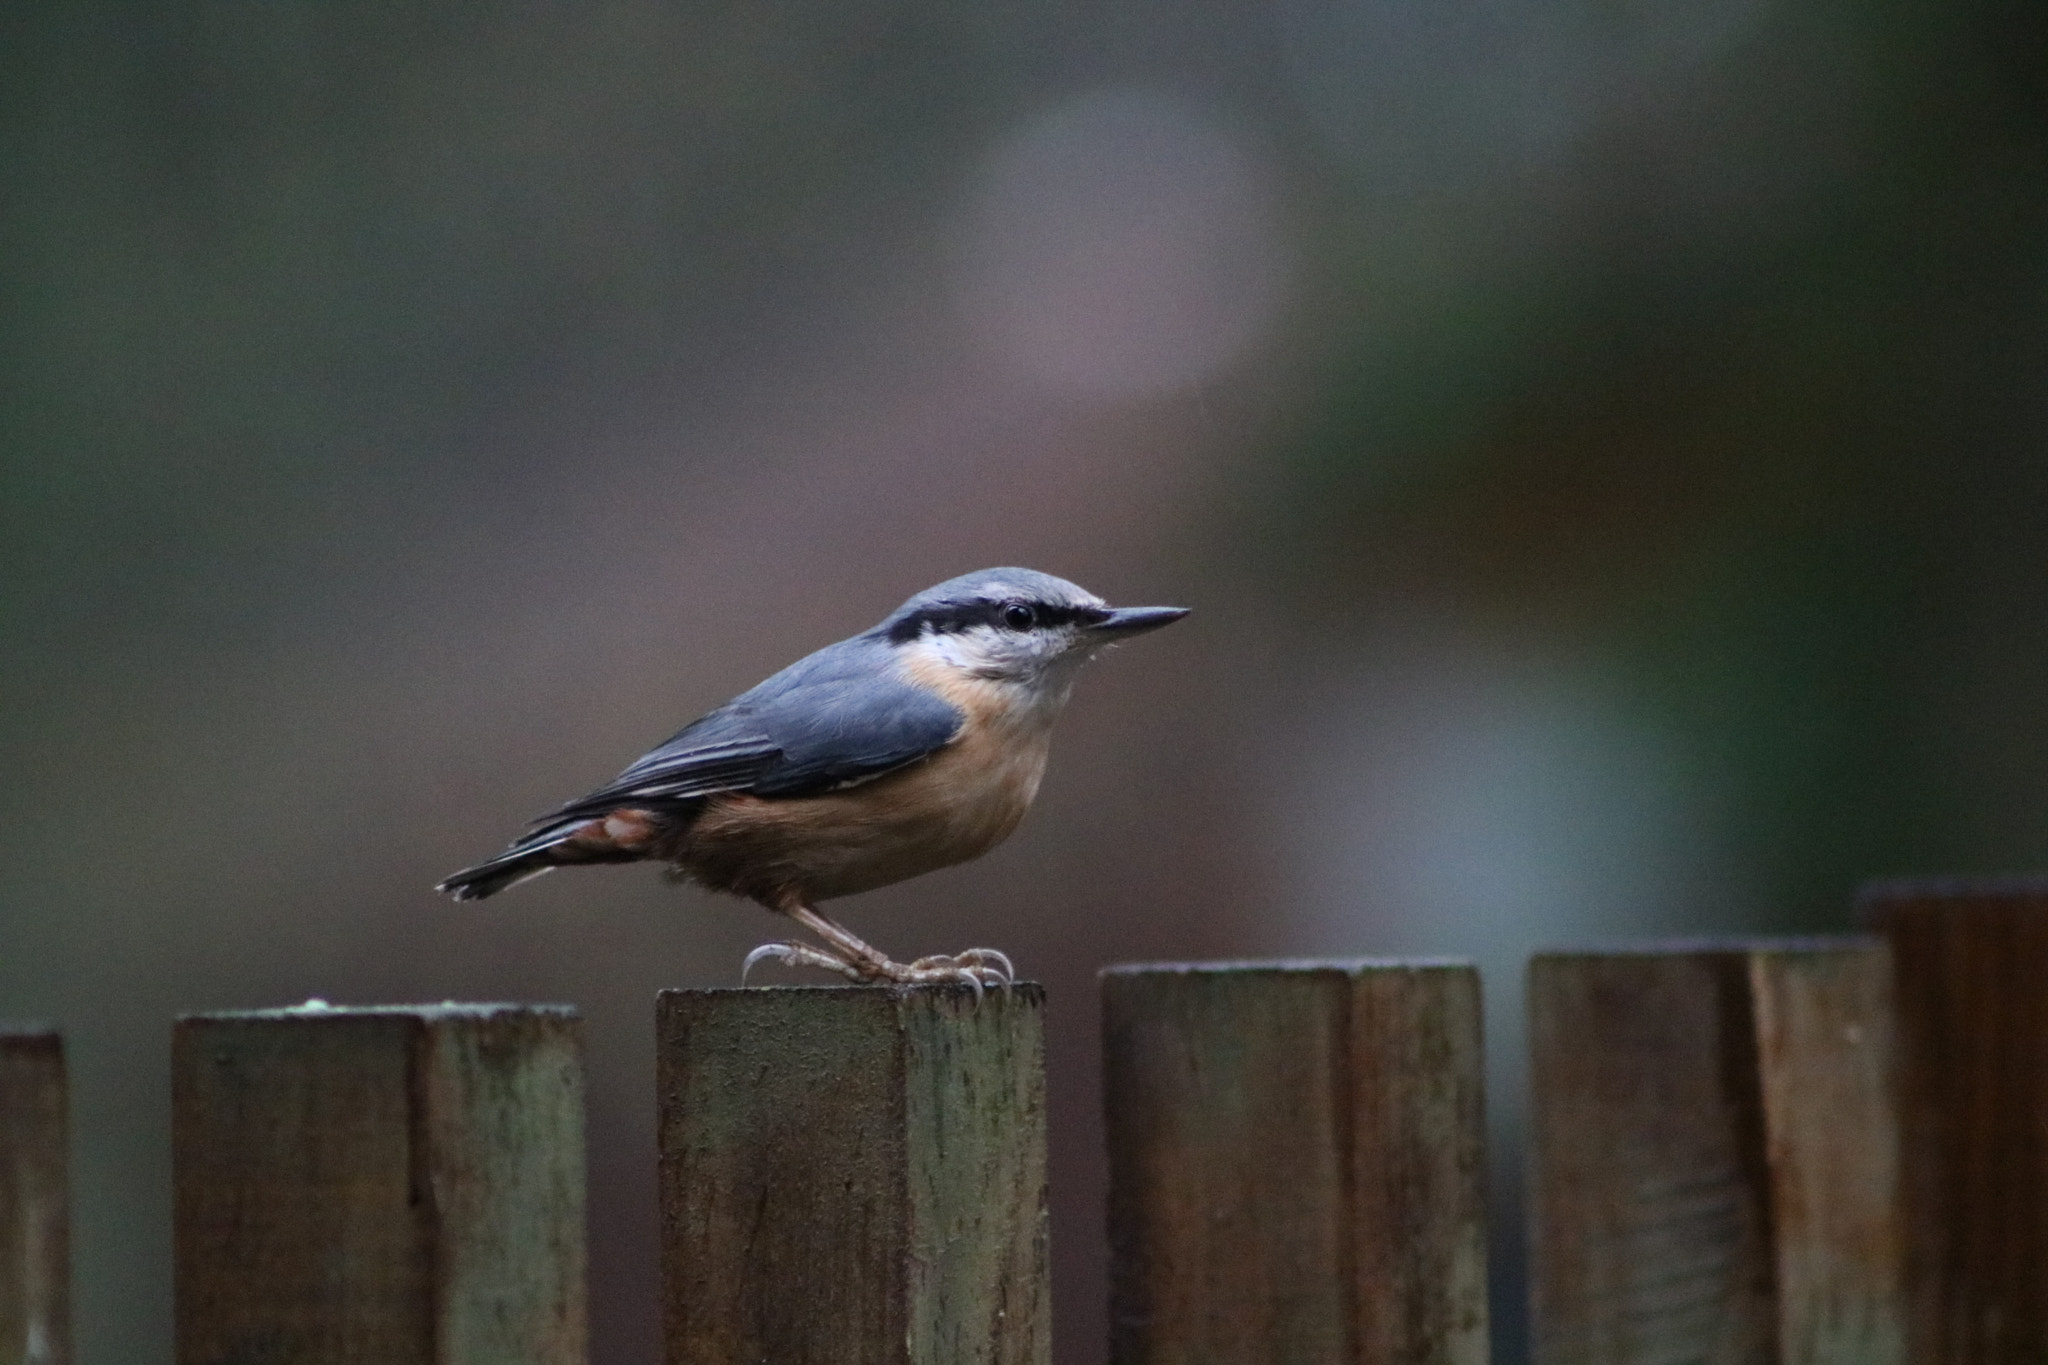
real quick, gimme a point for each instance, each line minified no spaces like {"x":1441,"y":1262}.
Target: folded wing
{"x":827,"y":722}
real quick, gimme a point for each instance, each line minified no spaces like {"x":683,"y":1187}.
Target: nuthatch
{"x":914,"y":745}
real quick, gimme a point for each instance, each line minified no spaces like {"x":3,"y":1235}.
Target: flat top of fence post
{"x":1347,"y":965}
{"x":397,"y":1183}
{"x":853,"y":1173}
{"x":35,"y":1219}
{"x":31,"y":1032}
{"x":434,"y":1013}
{"x":1874,"y":896}
{"x":1295,"y":1153}
{"x":1735,"y":945}
{"x":1973,"y":1045}
{"x":1712,"y":1152}
{"x":865,"y":990}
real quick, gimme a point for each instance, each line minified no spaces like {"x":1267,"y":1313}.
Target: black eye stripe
{"x":950,"y":617}
{"x":1069,"y":616}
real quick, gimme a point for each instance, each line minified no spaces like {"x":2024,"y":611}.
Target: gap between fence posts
{"x":1713,"y":1156}
{"x":1970,"y":961}
{"x":1297,"y":1160}
{"x":35,"y":1211}
{"x":390,"y":1184}
{"x":853,"y":1174}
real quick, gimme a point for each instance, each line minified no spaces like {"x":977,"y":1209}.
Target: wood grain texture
{"x":1712,"y":1159}
{"x":1296,"y":1163}
{"x":35,"y":1218}
{"x":1827,"y":1066}
{"x":1970,"y":960}
{"x":853,"y":1174}
{"x":386,"y":1185}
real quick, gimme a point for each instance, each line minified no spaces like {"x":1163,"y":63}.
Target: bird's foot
{"x":982,"y":966}
{"x":847,"y":954}
{"x":976,"y":967}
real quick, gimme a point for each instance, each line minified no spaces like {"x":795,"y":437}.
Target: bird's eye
{"x":1019,"y":616}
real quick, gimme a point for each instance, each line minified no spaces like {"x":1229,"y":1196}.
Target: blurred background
{"x":1603,"y":441}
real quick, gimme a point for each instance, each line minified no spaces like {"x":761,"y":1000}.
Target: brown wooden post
{"x":853,"y":1174}
{"x":35,"y":1213}
{"x":400,"y":1185}
{"x":1970,"y":962}
{"x":1714,"y":1156}
{"x":1297,"y":1163}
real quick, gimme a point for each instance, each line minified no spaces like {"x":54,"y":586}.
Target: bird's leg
{"x":977,"y":966}
{"x":845,"y":954}
{"x":852,"y":957}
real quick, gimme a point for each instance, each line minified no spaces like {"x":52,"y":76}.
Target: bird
{"x":915,"y":745}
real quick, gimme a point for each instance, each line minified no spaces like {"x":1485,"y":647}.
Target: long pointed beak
{"x":1125,"y":622}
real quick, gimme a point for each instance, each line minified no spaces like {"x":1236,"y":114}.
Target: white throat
{"x":1033,"y":678}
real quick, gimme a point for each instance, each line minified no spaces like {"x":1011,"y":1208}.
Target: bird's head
{"x":1016,"y":626}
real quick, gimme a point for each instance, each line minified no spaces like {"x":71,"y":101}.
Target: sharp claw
{"x":978,"y":967}
{"x":969,"y":977}
{"x":799,"y":955}
{"x":987,"y":964}
{"x":778,"y":951}
{"x":847,"y":956}
{"x":994,"y":961}
{"x":952,"y":974}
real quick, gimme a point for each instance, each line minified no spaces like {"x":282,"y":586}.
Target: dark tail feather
{"x":488,"y":879}
{"x":623,"y":835}
{"x":529,"y":857}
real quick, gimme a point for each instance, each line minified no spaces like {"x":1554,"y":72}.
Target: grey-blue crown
{"x":979,"y":597}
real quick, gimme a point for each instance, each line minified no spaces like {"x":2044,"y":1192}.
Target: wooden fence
{"x":1780,"y":1152}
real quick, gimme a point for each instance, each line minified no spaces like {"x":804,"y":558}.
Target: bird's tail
{"x":488,"y":879}
{"x":620,"y":835}
{"x":530,"y":857}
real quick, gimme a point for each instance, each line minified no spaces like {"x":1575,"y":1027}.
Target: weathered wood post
{"x":853,"y":1174}
{"x":1713,"y":1167}
{"x":1970,"y":962}
{"x":1297,"y":1163}
{"x":35,"y":1213}
{"x":402,"y":1185}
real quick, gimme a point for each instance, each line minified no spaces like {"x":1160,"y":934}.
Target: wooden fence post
{"x":397,"y":1184}
{"x":1297,"y":1163}
{"x":1713,"y":1156}
{"x":853,"y":1174}
{"x":35,"y":1213}
{"x":1970,"y":962}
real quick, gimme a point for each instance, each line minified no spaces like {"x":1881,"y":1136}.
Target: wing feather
{"x":828,"y":721}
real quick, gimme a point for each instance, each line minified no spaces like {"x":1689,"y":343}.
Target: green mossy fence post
{"x":1297,"y":1162}
{"x":396,"y":1185}
{"x":1713,"y":1158}
{"x":853,"y":1174}
{"x":35,"y":1214}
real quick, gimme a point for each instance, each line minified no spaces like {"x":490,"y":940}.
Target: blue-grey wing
{"x":838,"y":723}
{"x":698,"y":762}
{"x":838,"y":717}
